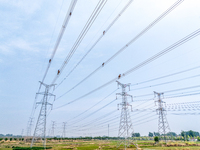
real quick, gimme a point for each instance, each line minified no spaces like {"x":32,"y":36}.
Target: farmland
{"x":99,"y":145}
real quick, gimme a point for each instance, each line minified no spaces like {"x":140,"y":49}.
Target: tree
{"x":183,"y":134}
{"x":191,"y":133}
{"x":156,"y":134}
{"x":6,"y":139}
{"x":171,"y":134}
{"x":150,"y":134}
{"x":156,"y":139}
{"x":10,"y":139}
{"x":136,"y":135}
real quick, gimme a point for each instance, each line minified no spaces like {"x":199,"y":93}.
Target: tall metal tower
{"x":53,"y":128}
{"x":29,"y":127}
{"x":40,"y":129}
{"x":64,"y":129}
{"x":163,"y":126}
{"x":125,"y":126}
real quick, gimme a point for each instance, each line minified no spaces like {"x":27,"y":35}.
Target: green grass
{"x":28,"y":148}
{"x":102,"y":144}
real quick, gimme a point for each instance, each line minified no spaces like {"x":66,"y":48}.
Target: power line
{"x":100,"y":118}
{"x":96,"y":111}
{"x":94,"y":105}
{"x":169,"y":91}
{"x":66,"y":20}
{"x":64,"y":25}
{"x":165,"y":51}
{"x":166,"y":76}
{"x":166,"y":82}
{"x":100,"y":37}
{"x":129,"y":43}
{"x":154,"y":57}
{"x":84,"y":31}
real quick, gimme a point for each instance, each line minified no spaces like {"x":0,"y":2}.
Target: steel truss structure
{"x":125,"y":126}
{"x":163,"y":126}
{"x":40,"y":129}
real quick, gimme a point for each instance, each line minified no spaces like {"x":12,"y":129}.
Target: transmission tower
{"x":125,"y":126}
{"x":64,"y":129}
{"x":30,"y":124}
{"x":40,"y":129}
{"x":53,"y":128}
{"x":163,"y":125}
{"x":22,"y":133}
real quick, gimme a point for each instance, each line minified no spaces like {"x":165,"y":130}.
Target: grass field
{"x":98,"y":145}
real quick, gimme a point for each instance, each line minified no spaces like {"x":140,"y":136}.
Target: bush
{"x":6,"y":139}
{"x":156,"y":139}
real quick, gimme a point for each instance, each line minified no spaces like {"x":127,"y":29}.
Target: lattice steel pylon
{"x":40,"y":129}
{"x":64,"y":129}
{"x":29,"y":127}
{"x":53,"y":128}
{"x":125,"y":126}
{"x":163,"y":126}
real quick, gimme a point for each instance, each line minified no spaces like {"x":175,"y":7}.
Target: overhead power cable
{"x":130,"y":42}
{"x":182,"y":95}
{"x":93,"y":105}
{"x":84,"y":31}
{"x":166,"y":82}
{"x":145,"y":122}
{"x":165,"y":51}
{"x":186,"y":88}
{"x":169,"y":91}
{"x":151,"y":59}
{"x":100,"y":37}
{"x":98,"y":119}
{"x":169,"y":75}
{"x":194,"y":102}
{"x":64,"y":25}
{"x":185,"y":114}
{"x":95,"y":111}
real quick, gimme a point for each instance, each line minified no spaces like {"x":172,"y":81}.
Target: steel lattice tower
{"x":64,"y":129}
{"x":30,"y":123}
{"x":53,"y":128}
{"x":163,"y":126}
{"x":40,"y":129}
{"x":125,"y":126}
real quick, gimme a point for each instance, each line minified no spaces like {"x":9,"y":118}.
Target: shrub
{"x":156,"y":139}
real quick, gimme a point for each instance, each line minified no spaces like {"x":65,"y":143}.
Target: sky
{"x":29,"y":30}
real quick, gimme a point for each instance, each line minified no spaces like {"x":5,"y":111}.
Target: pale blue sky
{"x":28,"y":33}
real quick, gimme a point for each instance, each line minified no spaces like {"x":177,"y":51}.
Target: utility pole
{"x":40,"y":129}
{"x":53,"y":128}
{"x":163,"y":125}
{"x":125,"y":126}
{"x":30,"y":123}
{"x":64,"y":129}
